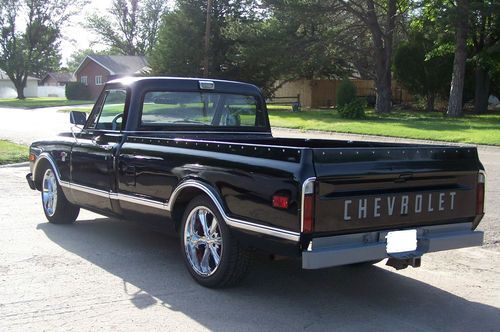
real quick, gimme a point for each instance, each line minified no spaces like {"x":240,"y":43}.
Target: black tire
{"x":57,"y":210}
{"x":233,"y":259}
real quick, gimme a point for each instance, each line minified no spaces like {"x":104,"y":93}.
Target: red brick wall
{"x":91,"y":70}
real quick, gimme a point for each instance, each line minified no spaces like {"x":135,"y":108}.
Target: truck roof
{"x":189,"y":83}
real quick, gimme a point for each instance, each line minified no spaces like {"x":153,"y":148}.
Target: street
{"x":108,"y":274}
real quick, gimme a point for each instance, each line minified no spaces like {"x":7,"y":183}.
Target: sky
{"x":75,"y":36}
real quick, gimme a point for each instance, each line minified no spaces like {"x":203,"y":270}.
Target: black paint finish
{"x":245,"y":170}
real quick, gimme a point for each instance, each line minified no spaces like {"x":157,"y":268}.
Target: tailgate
{"x":384,"y":188}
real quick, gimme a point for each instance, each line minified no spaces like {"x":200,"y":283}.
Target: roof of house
{"x":61,"y":77}
{"x":4,"y":77}
{"x":118,"y":64}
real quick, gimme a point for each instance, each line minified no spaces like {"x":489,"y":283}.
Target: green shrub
{"x":77,"y":91}
{"x":353,"y":110}
{"x":346,"y":93}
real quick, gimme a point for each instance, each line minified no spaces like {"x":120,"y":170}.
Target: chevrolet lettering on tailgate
{"x":402,"y":205}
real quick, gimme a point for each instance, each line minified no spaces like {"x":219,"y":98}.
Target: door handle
{"x":96,"y":141}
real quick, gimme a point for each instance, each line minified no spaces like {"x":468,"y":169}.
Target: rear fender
{"x":230,"y":221}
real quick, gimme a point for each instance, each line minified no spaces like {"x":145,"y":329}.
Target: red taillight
{"x":480,"y":194}
{"x":308,"y":222}
{"x":308,"y":206}
{"x":280,"y":202}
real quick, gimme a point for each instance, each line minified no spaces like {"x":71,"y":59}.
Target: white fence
{"x":51,"y":91}
{"x":7,"y":89}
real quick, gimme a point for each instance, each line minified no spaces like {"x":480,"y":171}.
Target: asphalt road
{"x":108,"y":274}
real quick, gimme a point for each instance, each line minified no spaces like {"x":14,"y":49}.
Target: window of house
{"x":98,"y":80}
{"x":83,"y":80}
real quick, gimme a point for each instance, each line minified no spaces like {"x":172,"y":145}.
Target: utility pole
{"x":207,"y":38}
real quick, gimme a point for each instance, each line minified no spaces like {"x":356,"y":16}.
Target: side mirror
{"x":78,"y":118}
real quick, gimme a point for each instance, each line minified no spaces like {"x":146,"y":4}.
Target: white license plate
{"x":401,"y":241}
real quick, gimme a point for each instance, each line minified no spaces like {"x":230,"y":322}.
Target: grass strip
{"x":477,"y":129}
{"x":40,"y":102}
{"x":12,"y":153}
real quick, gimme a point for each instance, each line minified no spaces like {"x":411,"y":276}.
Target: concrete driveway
{"x":108,"y":274}
{"x":28,"y":125}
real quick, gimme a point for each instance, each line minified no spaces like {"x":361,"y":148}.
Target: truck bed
{"x":363,"y":186}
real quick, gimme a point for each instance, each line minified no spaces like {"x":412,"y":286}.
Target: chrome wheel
{"x":203,"y":241}
{"x":49,"y":192}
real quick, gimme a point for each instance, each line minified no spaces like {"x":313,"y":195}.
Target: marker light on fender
{"x":280,"y":202}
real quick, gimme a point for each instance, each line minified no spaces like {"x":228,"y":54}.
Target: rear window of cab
{"x":179,"y":110}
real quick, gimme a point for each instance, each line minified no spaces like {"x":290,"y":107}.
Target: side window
{"x":110,"y":114}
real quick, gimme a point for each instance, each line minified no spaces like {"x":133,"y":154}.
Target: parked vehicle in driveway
{"x":198,"y":157}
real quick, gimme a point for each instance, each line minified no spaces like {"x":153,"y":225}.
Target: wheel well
{"x":40,"y":168}
{"x":181,"y":203}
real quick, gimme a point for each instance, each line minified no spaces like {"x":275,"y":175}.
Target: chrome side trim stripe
{"x":139,"y":200}
{"x":167,"y":206}
{"x":88,"y":190}
{"x":115,"y":196}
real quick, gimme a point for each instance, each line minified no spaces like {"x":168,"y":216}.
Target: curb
{"x":23,"y":164}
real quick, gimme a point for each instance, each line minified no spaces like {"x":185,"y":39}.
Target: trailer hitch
{"x":403,"y":263}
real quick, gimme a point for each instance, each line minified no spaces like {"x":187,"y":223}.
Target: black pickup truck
{"x":198,"y":156}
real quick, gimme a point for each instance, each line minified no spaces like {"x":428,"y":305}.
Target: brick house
{"x":95,"y":70}
{"x":57,"y":79}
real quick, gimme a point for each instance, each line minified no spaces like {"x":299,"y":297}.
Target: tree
{"x":312,"y":36}
{"x":485,"y":50}
{"x":130,"y":27}
{"x":420,"y":70}
{"x":470,"y":29}
{"x":380,"y":18}
{"x":455,"y":102}
{"x":235,"y":25}
{"x":261,"y":43}
{"x":32,"y":49}
{"x":178,"y":50}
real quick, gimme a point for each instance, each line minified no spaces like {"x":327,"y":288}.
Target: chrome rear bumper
{"x":363,"y":247}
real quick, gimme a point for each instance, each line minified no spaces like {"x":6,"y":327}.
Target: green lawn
{"x":79,"y":109}
{"x":40,"y":102}
{"x":480,"y":129}
{"x":12,"y":153}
